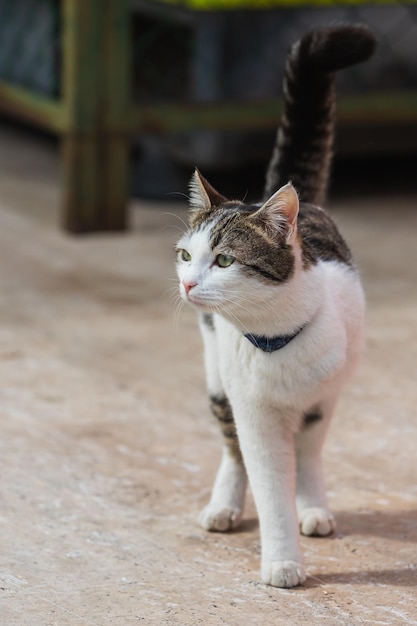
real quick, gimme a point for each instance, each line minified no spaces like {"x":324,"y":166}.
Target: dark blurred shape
{"x":185,"y":88}
{"x":239,"y":56}
{"x":29,"y":44}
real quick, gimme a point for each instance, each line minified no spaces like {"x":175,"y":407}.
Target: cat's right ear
{"x":202,"y":195}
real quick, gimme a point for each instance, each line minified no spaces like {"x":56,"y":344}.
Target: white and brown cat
{"x":281,"y":309}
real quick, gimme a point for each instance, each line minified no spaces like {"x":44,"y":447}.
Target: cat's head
{"x":234,"y":253}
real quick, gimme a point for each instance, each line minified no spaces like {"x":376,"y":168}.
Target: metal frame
{"x":96,"y":118}
{"x":92,"y":114}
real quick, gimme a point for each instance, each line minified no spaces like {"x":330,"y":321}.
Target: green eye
{"x":185,"y":256}
{"x":223,"y":260}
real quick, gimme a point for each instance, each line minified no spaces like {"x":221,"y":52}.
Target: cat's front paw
{"x":283,"y":574}
{"x":220,"y":520}
{"x":317,"y":521}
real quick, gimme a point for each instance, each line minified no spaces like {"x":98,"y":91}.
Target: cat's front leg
{"x":225,"y":509}
{"x":267,"y":445}
{"x":314,"y":515}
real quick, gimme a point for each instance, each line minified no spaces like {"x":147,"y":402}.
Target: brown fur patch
{"x":203,"y":216}
{"x":238,"y":234}
{"x":312,"y":416}
{"x":320,"y":238}
{"x":208,"y":321}
{"x":222,"y":410}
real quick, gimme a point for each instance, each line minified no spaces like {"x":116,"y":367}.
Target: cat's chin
{"x":203,"y":307}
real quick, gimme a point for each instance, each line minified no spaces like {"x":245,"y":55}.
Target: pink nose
{"x":188,"y":285}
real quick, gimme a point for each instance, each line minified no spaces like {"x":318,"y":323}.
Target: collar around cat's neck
{"x":271,"y":344}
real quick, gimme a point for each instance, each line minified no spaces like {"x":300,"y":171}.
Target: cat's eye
{"x":184,"y":255}
{"x":223,"y":260}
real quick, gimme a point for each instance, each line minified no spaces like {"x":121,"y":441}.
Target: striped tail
{"x":303,"y":148}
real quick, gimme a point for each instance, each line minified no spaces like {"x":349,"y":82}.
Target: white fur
{"x":198,"y":196}
{"x":269,"y":393}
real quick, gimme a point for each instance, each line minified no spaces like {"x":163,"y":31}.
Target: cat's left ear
{"x":202,"y":195}
{"x":280,"y":212}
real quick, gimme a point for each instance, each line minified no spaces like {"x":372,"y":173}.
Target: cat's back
{"x":320,"y":238}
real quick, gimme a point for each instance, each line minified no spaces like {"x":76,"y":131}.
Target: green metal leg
{"x":95,"y":185}
{"x":95,"y":147}
{"x":79,"y":186}
{"x":116,"y":171}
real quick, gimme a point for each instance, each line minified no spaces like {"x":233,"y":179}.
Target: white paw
{"x":316,"y":521}
{"x":220,"y":520}
{"x":283,"y":574}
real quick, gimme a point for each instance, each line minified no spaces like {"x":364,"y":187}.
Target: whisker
{"x":255,"y":313}
{"x":179,"y":303}
{"x":172,"y":292}
{"x":178,"y":218}
{"x":177,"y":193}
{"x":169,"y":226}
{"x":228,"y":313}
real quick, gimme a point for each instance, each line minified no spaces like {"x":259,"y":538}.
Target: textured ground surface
{"x":108,"y":451}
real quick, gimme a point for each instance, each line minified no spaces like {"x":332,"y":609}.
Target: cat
{"x":281,"y":314}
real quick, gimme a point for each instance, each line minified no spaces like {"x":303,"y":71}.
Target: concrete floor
{"x":108,"y":450}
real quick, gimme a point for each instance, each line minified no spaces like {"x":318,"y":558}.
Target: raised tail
{"x":303,"y":148}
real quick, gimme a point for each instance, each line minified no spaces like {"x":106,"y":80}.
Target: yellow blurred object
{"x":206,"y":5}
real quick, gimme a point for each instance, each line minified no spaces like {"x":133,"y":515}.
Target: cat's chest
{"x":291,"y":376}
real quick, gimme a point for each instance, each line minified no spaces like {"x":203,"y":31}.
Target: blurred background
{"x":135,"y":93}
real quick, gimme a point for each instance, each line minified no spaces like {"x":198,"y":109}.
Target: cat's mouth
{"x":199,"y":302}
{"x":195,"y":301}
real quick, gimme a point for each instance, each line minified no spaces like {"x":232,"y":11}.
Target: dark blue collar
{"x":271,"y":344}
